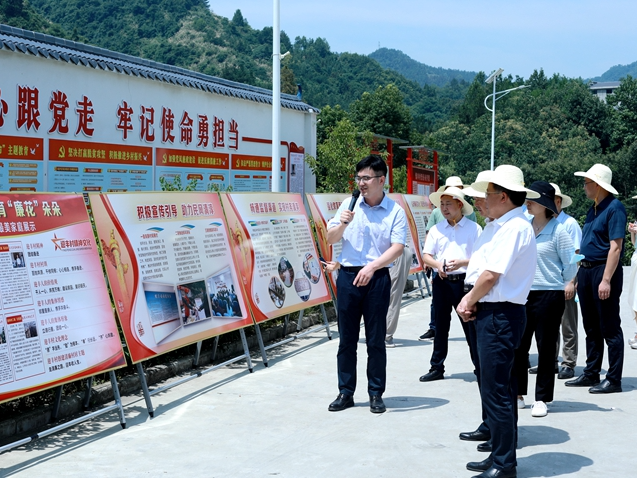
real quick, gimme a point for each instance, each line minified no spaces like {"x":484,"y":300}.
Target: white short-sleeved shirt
{"x":507,"y":247}
{"x":372,"y":231}
{"x":445,"y":241}
{"x":572,"y":227}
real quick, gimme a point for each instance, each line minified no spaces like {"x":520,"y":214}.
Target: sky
{"x":574,"y":38}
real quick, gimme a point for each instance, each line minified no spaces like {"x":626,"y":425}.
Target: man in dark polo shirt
{"x":600,"y":280}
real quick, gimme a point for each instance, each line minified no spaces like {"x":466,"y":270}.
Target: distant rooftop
{"x":603,"y":85}
{"x":59,"y":49}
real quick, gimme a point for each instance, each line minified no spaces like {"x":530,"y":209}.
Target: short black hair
{"x":374,"y":162}
{"x":516,"y":197}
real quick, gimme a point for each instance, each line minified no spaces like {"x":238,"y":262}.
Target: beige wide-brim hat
{"x":601,"y":174}
{"x":482,"y":176}
{"x":566,"y":200}
{"x":455,"y":193}
{"x":452,"y":181}
{"x":506,"y":176}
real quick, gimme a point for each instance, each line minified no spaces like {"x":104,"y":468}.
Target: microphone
{"x":355,"y":195}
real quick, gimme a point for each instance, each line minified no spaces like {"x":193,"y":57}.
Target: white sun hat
{"x":455,"y":193}
{"x":566,"y":200}
{"x":452,"y":181}
{"x":482,"y":176}
{"x":601,"y":174}
{"x":506,"y":176}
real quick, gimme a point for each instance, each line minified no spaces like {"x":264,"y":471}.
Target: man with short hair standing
{"x":373,"y":236}
{"x":569,"y":319}
{"x":600,"y":280}
{"x":501,"y":271}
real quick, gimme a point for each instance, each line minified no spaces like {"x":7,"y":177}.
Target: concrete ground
{"x":274,"y":422}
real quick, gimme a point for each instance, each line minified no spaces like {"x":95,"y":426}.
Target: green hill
{"x":618,"y":72}
{"x":419,"y":72}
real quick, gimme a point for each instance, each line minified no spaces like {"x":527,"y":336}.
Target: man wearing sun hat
{"x":447,"y":250}
{"x":569,"y":319}
{"x":600,"y":281}
{"x":501,"y":271}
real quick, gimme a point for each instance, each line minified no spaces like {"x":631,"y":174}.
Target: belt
{"x":353,"y":269}
{"x":496,"y":305}
{"x":591,"y":264}
{"x":455,"y":277}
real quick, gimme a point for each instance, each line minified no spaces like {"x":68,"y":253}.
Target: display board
{"x":420,"y":208}
{"x":56,"y":318}
{"x":275,"y":253}
{"x":417,"y":265}
{"x":170,"y":268}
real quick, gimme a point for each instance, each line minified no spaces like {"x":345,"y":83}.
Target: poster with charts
{"x":56,"y":318}
{"x":170,"y":268}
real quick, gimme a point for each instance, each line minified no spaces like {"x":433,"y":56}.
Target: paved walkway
{"x":274,"y":422}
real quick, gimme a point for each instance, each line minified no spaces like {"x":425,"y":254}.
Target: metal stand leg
{"x":325,"y":321}
{"x":87,"y":395}
{"x":214,"y":349}
{"x":299,"y":323}
{"x":145,"y":391}
{"x":195,"y":362}
{"x":285,"y":325}
{"x":420,"y":287}
{"x":261,"y":345}
{"x":56,"y":403}
{"x":246,"y":350}
{"x":118,"y":400}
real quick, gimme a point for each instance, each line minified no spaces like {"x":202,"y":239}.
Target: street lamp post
{"x":496,"y":96}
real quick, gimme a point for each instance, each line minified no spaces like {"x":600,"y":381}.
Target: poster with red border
{"x":275,"y":253}
{"x":420,"y":208}
{"x":417,"y":264}
{"x":171,"y":271}
{"x":323,"y":207}
{"x":56,"y":318}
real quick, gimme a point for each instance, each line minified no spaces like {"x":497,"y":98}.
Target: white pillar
{"x":276,"y":97}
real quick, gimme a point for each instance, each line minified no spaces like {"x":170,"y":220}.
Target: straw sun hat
{"x":452,"y":181}
{"x":601,"y":174}
{"x":566,"y":200}
{"x":455,"y":193}
{"x":482,"y":176}
{"x":508,"y":177}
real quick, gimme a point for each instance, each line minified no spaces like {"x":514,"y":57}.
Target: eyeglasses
{"x":586,"y":183}
{"x":365,"y":179}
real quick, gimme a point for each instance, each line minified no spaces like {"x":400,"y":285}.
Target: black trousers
{"x":370,"y":302}
{"x":544,"y":310}
{"x":601,"y":322}
{"x":446,"y":297}
{"x":499,"y":332}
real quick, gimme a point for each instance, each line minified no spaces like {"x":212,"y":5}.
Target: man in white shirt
{"x":501,"y":271}
{"x":447,"y":250}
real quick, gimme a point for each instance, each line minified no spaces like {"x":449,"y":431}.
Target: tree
{"x":624,"y":114}
{"x":383,"y":112}
{"x":338,"y":156}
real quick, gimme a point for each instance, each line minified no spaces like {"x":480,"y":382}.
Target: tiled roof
{"x":58,"y":49}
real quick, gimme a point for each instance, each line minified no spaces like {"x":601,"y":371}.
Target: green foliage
{"x":624,"y":113}
{"x":382,"y":112}
{"x":400,"y":179}
{"x":339,"y":154}
{"x":420,"y":73}
{"x":175,"y":184}
{"x":20,"y":13}
{"x":618,"y":72}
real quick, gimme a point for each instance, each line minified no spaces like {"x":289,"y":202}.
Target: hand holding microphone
{"x":346,"y":218}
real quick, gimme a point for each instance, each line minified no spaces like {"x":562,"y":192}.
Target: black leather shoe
{"x":430,"y":334}
{"x":485,"y":447}
{"x":582,"y":381}
{"x":495,"y":473}
{"x":376,"y":404}
{"x":475,"y":436}
{"x":606,"y":387}
{"x":341,"y":403}
{"x":565,"y":372}
{"x":432,"y":375}
{"x":483,"y":465}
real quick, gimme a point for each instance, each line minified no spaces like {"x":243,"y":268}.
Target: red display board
{"x":56,"y":318}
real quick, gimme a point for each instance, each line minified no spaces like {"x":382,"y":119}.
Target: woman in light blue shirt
{"x":545,"y":303}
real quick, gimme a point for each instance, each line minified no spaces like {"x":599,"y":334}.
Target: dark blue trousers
{"x":601,"y":322}
{"x":370,"y":302}
{"x":446,"y":297}
{"x":499,"y":333}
